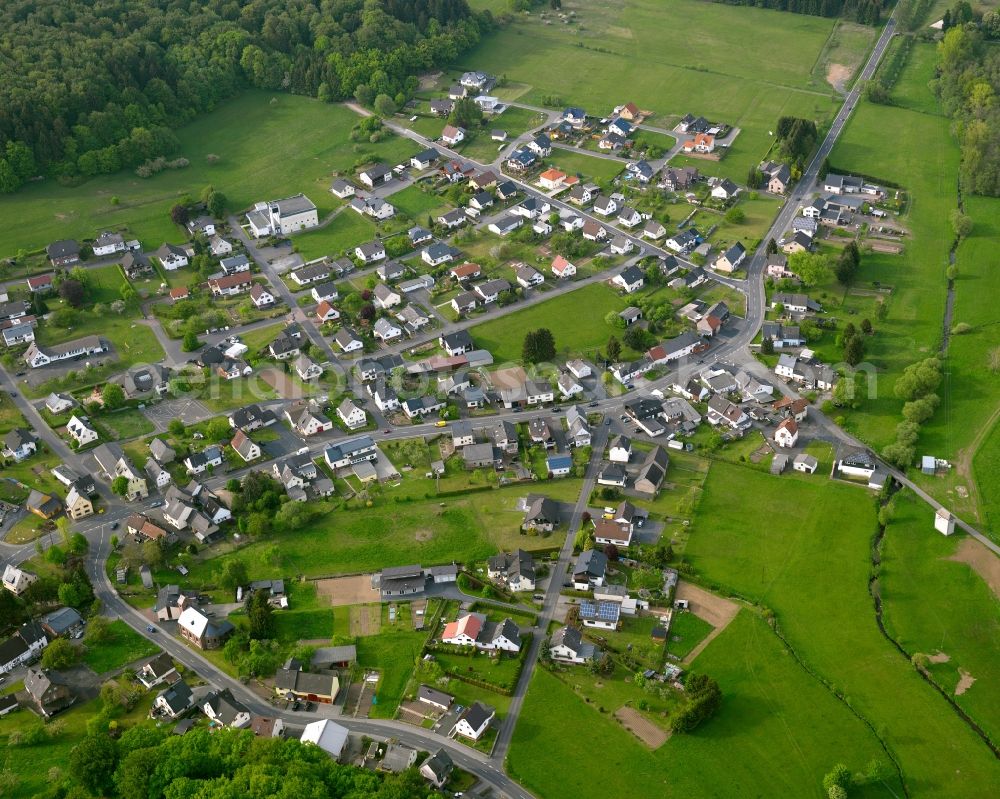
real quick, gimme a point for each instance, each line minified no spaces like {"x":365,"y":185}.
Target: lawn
{"x":258,"y":160}
{"x":346,"y":231}
{"x":759,"y":213}
{"x":912,"y":329}
{"x":580,"y":163}
{"x":933,"y":604}
{"x":802,"y":550}
{"x":123,"y":646}
{"x":416,"y":202}
{"x":686,"y":632}
{"x":775,"y":720}
{"x":393,"y":654}
{"x":574,"y":332}
{"x":124,"y":424}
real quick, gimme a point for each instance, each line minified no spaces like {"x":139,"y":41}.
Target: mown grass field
{"x":912,"y":329}
{"x":392,"y":534}
{"x":580,"y":163}
{"x":803,"y":550}
{"x":774,"y":720}
{"x":576,"y":320}
{"x":345,"y":231}
{"x":933,"y":604}
{"x":269,"y":145}
{"x":635,"y":51}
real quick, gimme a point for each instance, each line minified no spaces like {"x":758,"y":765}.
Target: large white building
{"x":281,"y":217}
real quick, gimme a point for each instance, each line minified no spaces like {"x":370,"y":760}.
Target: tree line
{"x":967,"y":85}
{"x":101,"y":88}
{"x":868,"y":12}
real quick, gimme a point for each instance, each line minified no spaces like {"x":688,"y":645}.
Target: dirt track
{"x":982,"y":561}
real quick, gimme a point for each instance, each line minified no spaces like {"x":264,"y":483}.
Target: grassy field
{"x":580,"y":163}
{"x":933,"y":604}
{"x":802,"y":549}
{"x":392,"y":534}
{"x":416,"y":203}
{"x":346,"y":231}
{"x":573,"y":332}
{"x":912,"y":329}
{"x":631,"y":51}
{"x":126,"y":424}
{"x":258,"y":159}
{"x":122,"y":647}
{"x":848,"y":47}
{"x":774,"y":720}
{"x":759,"y":214}
{"x":686,"y":632}
{"x":393,"y":653}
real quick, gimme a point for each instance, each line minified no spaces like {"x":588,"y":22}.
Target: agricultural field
{"x":843,"y":55}
{"x":774,"y":718}
{"x":961,"y":635}
{"x":633,"y":47}
{"x":803,"y":551}
{"x":247,"y":170}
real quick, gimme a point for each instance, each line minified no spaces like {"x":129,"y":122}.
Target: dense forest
{"x":868,"y":12}
{"x":968,"y":83}
{"x":90,"y":87}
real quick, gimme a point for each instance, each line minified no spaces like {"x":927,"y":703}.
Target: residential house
{"x":794,"y":303}
{"x":653,"y":230}
{"x":630,"y":279}
{"x":607,"y":205}
{"x":108,"y":244}
{"x":210,"y":457}
{"x":306,"y":368}
{"x":778,"y":177}
{"x":723,"y":412}
{"x":602,"y":614}
{"x":566,"y":645}
{"x":330,"y":737}
{"x":506,"y":224}
{"x":343,"y":189}
{"x":345,"y":453}
{"x":562,"y":268}
{"x":222,"y":708}
{"x":175,"y":700}
{"x":348,"y":341}
{"x":245,"y":447}
{"x":465,"y":302}
{"x":589,"y":569}
{"x":260,"y":296}
{"x":651,"y":474}
{"x":170,"y":256}
{"x":787,"y":433}
{"x":78,"y":506}
{"x":805,"y":463}
{"x":17,"y":580}
{"x":437,"y":768}
{"x":438,"y":253}
{"x":351,"y":415}
{"x":777,"y":267}
{"x":725,"y":190}
{"x":474,"y":721}
{"x":325,"y":312}
{"x":291,"y":682}
{"x":425,"y":158}
{"x":678,"y":178}
{"x":857,"y":463}
{"x":731,"y":259}
{"x":474,"y":630}
{"x":48,"y":691}
{"x":385,"y":298}
{"x":527,"y":277}
{"x":63,"y":253}
{"x":369,"y":252}
{"x":491,"y":290}
{"x":19,"y":444}
{"x":457,"y":343}
{"x":542,"y":515}
{"x":202,"y":631}
{"x":607,"y":531}
{"x":452,"y":135}
{"x":135,"y":265}
{"x":703,"y":143}
{"x":24,"y":646}
{"x":799,"y":242}
{"x":229,"y":285}
{"x":309,"y":422}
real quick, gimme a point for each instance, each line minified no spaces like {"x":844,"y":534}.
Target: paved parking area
{"x":188,"y":411}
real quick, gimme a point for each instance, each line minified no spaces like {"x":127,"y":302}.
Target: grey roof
{"x":59,"y":621}
{"x":591,"y":562}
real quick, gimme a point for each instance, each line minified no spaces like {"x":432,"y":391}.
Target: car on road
{"x":150,"y":628}
{"x":441,"y":423}
{"x":114,"y":525}
{"x":20,"y":374}
{"x":310,"y":707}
{"x":158,"y":503}
{"x":607,"y":422}
{"x":387,"y":430}
{"x":623,"y":417}
{"x":296,"y":704}
{"x":592,"y":405}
